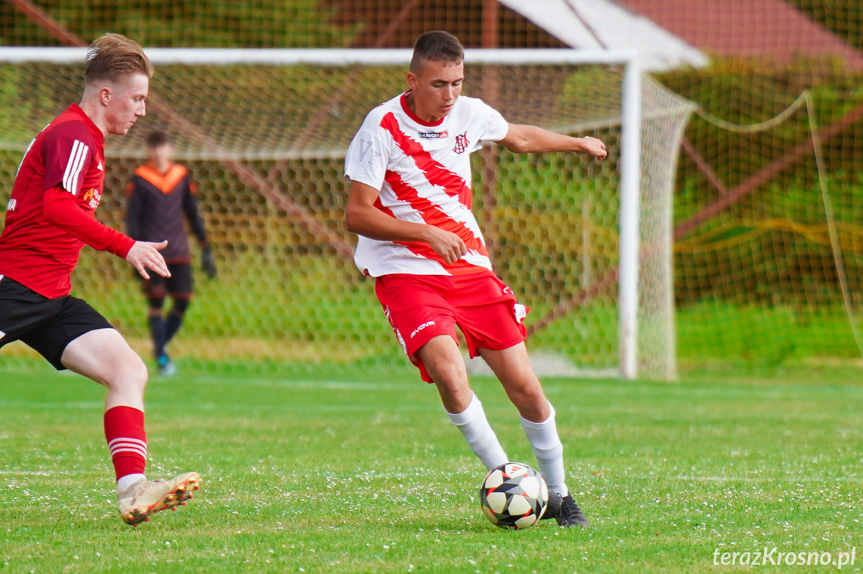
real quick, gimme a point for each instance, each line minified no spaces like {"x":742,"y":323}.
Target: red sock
{"x":127,"y":441}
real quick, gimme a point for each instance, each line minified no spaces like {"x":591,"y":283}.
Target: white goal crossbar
{"x":631,"y":119}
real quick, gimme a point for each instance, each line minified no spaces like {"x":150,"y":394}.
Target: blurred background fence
{"x":767,"y":225}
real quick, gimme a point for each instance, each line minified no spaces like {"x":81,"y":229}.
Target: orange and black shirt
{"x":156,"y":205}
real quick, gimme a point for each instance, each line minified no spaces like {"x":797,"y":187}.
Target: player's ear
{"x":412,"y":80}
{"x":105,"y":95}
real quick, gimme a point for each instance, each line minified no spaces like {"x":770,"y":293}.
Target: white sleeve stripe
{"x":82,"y":156}
{"x":69,"y":163}
{"x":73,"y":166}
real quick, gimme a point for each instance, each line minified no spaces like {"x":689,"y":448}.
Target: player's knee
{"x":534,"y":396}
{"x":452,"y":378}
{"x":454,"y":389}
{"x":180,"y":306}
{"x":130,"y":375}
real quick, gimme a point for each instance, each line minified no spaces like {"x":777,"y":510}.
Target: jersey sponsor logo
{"x":11,"y":207}
{"x":73,"y":166}
{"x":461,"y":143}
{"x":421,"y":327}
{"x":366,"y":150}
{"x":94,"y":197}
{"x":433,"y":135}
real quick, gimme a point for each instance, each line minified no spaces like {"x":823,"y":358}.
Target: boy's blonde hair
{"x":113,"y":57}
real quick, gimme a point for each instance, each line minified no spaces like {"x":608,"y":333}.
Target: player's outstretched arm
{"x":363,"y":218}
{"x":523,"y":138}
{"x":145,"y":255}
{"x":60,"y":209}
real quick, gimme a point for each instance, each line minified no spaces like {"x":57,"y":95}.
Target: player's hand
{"x":594,"y":147}
{"x":145,"y":255}
{"x":447,"y":245}
{"x":208,"y":263}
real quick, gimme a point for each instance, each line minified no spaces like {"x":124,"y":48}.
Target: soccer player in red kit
{"x":49,"y":218}
{"x":409,"y":203}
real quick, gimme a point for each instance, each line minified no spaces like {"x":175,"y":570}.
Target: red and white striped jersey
{"x":423,"y":173}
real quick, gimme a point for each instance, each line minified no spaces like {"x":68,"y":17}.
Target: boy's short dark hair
{"x":157,"y":138}
{"x":436,"y":46}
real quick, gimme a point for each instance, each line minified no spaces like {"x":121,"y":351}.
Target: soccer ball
{"x":513,"y":495}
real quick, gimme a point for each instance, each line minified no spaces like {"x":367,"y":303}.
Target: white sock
{"x":548,"y":450}
{"x":479,"y":435}
{"x":128,"y":480}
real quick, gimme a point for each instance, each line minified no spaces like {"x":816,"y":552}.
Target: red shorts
{"x":420,"y":307}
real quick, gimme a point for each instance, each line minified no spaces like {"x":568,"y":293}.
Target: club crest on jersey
{"x":461,"y":143}
{"x":433,"y":135}
{"x":93,"y":196}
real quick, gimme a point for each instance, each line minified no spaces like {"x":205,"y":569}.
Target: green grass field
{"x":348,"y":473}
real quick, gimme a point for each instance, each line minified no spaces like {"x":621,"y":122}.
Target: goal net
{"x":264,"y":134}
{"x":768,"y":236}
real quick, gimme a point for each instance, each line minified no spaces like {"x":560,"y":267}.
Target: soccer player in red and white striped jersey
{"x":49,"y":218}
{"x":410,"y":204}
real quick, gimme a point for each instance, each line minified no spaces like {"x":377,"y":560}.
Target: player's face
{"x":126,"y":104}
{"x":160,"y":156}
{"x":435,"y":88}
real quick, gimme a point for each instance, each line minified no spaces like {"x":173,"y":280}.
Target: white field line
{"x":756,"y":479}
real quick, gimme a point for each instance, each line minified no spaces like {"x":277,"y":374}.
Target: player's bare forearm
{"x":363,"y":218}
{"x":523,"y":138}
{"x":370,"y":222}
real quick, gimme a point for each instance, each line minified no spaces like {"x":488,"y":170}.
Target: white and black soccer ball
{"x":513,"y":495}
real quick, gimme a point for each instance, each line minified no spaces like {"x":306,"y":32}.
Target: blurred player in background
{"x":49,"y":218}
{"x":160,"y":193}
{"x":409,"y":202}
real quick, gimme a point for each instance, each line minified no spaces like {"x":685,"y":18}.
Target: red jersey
{"x":51,"y":213}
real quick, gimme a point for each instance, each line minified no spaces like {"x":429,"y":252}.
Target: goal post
{"x":586,"y":245}
{"x":630,"y":205}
